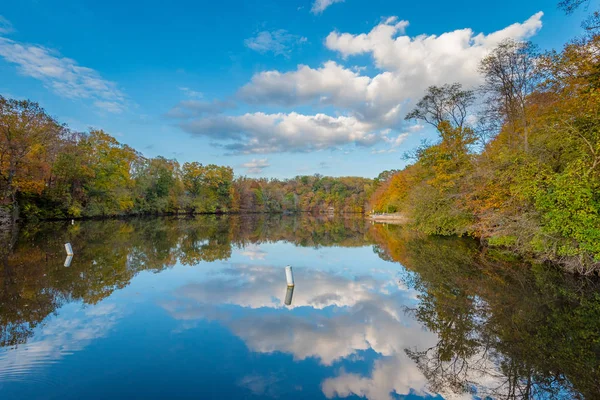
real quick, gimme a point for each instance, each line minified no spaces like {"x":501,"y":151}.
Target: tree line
{"x":49,"y":171}
{"x":517,"y":161}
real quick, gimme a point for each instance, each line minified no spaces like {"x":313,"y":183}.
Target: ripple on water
{"x":23,"y":363}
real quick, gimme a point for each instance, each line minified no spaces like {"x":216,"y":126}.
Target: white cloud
{"x":398,"y":140}
{"x":191,"y":93}
{"x":259,"y":133}
{"x":5,"y":26}
{"x":364,"y":105}
{"x":63,"y":75}
{"x":383,"y":151}
{"x":428,"y":56}
{"x":330,"y":84}
{"x":255,"y":167}
{"x":416,"y":128}
{"x":375,"y":100}
{"x":278,"y":42}
{"x":110,"y":106}
{"x":409,"y":66}
{"x":320,"y":5}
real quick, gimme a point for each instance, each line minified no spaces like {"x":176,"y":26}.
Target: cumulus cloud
{"x":364,"y":105}
{"x":427,"y":54}
{"x":377,"y":100}
{"x":63,"y":75}
{"x":259,"y":133}
{"x":320,"y":5}
{"x":255,"y":167}
{"x":409,"y":66}
{"x":5,"y":26}
{"x":278,"y":42}
{"x":329,"y":84}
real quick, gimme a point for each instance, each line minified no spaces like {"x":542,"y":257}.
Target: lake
{"x":193,"y":308}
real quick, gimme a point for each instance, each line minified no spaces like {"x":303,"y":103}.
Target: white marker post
{"x":289,"y":276}
{"x":69,"y":249}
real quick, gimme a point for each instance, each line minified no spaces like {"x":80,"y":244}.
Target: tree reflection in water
{"x":505,"y":329}
{"x":108,"y":254}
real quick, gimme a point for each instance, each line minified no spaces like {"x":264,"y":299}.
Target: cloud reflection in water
{"x":333,"y":317}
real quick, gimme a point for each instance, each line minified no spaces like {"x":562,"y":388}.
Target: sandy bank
{"x":396,"y":218}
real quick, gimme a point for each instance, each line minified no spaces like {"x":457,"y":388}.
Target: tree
{"x":446,"y":103}
{"x":510,"y":77}
{"x":158,"y":186}
{"x":569,"y":6}
{"x":27,"y":137}
{"x":210,"y":186}
{"x":113,"y":167}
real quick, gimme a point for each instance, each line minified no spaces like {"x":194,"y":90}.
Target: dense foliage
{"x":48,"y":171}
{"x":527,"y":174}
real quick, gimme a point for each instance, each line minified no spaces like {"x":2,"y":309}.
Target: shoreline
{"x":179,"y":214}
{"x":397,"y":218}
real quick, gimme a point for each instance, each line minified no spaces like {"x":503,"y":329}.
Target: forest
{"x":517,"y":161}
{"x":48,"y":171}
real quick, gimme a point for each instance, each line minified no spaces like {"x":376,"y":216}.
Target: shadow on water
{"x":505,"y":329}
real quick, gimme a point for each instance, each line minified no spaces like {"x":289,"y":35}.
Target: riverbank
{"x":396,"y":218}
{"x":25,"y":219}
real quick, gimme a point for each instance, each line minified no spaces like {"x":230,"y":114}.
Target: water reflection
{"x":505,"y":329}
{"x":76,"y":328}
{"x":377,"y":313}
{"x":289,"y":295}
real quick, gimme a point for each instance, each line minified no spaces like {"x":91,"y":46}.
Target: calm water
{"x":195,"y":308}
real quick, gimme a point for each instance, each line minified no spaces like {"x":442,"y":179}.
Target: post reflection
{"x":289,"y":294}
{"x":68,"y":261}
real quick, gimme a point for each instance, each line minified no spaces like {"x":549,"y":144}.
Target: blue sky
{"x":271,"y":88}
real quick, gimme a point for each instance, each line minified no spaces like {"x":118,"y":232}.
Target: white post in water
{"x":289,"y":276}
{"x":69,"y":249}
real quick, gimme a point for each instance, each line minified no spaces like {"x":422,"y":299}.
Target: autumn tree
{"x":209,"y":187}
{"x":27,"y":148}
{"x":112,"y":165}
